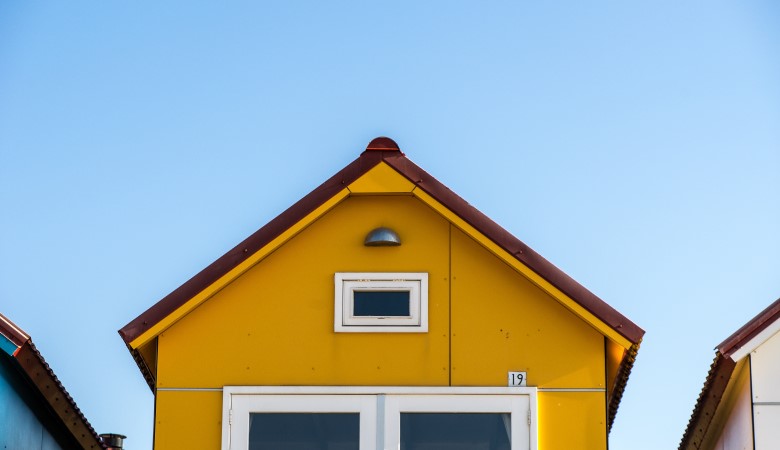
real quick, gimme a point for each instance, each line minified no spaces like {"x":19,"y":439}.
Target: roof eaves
{"x":43,"y":379}
{"x":624,"y":371}
{"x":707,"y":403}
{"x":46,"y":382}
{"x":148,"y":374}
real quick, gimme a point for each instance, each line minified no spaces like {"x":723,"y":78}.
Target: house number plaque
{"x":517,"y":378}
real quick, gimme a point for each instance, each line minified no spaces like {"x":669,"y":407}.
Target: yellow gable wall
{"x":274,"y":326}
{"x":501,"y":322}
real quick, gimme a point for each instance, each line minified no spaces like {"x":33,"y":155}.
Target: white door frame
{"x":379,"y":407}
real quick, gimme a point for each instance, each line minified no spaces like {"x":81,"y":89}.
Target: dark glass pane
{"x":381,"y":303}
{"x":461,"y":431}
{"x":304,"y":431}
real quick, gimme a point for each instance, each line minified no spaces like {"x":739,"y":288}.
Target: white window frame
{"x":416,"y":283}
{"x":380,"y":408}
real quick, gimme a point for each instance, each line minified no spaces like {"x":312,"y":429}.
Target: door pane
{"x":304,"y":431}
{"x":455,"y":431}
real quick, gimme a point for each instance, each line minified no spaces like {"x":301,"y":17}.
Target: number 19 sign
{"x":517,"y":378}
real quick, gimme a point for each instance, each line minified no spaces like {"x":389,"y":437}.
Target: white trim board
{"x":757,"y":341}
{"x":377,"y":390}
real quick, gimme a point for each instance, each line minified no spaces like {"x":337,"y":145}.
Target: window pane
{"x":381,"y":303}
{"x":304,"y":431}
{"x":461,"y":431}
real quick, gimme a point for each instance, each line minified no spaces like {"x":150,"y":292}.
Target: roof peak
{"x":384,"y":144}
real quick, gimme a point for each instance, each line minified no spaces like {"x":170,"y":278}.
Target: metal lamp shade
{"x":382,"y":237}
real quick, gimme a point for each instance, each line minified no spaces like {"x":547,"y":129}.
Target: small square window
{"x":381,"y":302}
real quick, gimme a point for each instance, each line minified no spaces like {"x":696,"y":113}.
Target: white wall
{"x":765,"y":368}
{"x":737,"y":431}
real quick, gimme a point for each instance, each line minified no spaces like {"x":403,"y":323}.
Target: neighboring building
{"x":37,"y":412}
{"x":371,"y":312}
{"x":739,"y":406}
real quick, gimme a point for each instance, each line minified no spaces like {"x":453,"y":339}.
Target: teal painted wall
{"x":24,"y":421}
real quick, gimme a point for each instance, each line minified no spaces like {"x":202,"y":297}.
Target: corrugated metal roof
{"x":43,"y":379}
{"x":719,"y":375}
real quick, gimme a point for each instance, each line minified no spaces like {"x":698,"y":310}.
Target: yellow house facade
{"x":383,"y":311}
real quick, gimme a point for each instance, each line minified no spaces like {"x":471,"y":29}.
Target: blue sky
{"x":636,"y":145}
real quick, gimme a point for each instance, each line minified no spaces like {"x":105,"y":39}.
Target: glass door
{"x":456,"y":422}
{"x":378,"y":418}
{"x":456,"y":431}
{"x":302,"y":422}
{"x":304,"y":431}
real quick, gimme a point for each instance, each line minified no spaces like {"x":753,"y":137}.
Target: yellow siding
{"x":502,"y":322}
{"x":189,"y":420}
{"x":572,"y":421}
{"x":274,"y":325}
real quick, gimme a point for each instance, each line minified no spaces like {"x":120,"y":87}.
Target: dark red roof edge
{"x":380,"y":149}
{"x":538,"y":264}
{"x":517,"y":248}
{"x":45,"y":381}
{"x":12,"y":331}
{"x":720,"y":372}
{"x":250,"y":245}
{"x":751,"y":329}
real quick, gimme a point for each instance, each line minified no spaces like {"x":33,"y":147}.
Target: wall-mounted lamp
{"x":382,"y":237}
